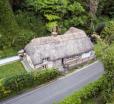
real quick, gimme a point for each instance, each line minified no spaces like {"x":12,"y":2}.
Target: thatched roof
{"x":73,"y":42}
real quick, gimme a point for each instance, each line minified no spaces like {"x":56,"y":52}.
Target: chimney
{"x":54,"y":31}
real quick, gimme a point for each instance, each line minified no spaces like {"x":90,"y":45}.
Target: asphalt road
{"x":60,"y":88}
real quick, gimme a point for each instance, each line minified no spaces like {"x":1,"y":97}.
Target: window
{"x":46,"y":59}
{"x":44,"y":66}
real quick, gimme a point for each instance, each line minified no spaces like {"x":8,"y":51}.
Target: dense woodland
{"x":23,"y":20}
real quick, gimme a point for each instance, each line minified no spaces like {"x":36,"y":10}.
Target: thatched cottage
{"x":61,"y":52}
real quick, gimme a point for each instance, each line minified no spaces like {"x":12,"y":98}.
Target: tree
{"x":93,"y":10}
{"x":106,"y":8}
{"x":7,"y":23}
{"x":64,"y":13}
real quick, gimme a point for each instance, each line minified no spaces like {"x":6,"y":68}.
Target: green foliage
{"x":31,"y":27}
{"x":108,"y":60}
{"x":85,"y":93}
{"x":102,"y":87}
{"x":108,"y":32}
{"x":7,"y":53}
{"x":99,"y":28}
{"x":106,"y":8}
{"x":99,"y":48}
{"x":30,"y":22}
{"x":52,"y":10}
{"x":8,"y":25}
{"x":17,"y":30}
{"x":15,"y":84}
{"x":23,"y":38}
{"x":63,"y":13}
{"x":12,"y":69}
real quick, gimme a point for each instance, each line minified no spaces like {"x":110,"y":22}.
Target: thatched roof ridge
{"x":72,"y":33}
{"x":73,"y":42}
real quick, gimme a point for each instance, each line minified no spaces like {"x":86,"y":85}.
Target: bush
{"x":89,"y":91}
{"x":8,"y":24}
{"x":31,"y":22}
{"x":106,"y":8}
{"x":30,"y":27}
{"x":19,"y":28}
{"x":22,"y":39}
{"x":19,"y":83}
{"x":103,"y":87}
{"x":108,"y":32}
{"x":72,"y":14}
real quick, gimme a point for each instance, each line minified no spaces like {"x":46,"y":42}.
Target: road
{"x":60,"y":88}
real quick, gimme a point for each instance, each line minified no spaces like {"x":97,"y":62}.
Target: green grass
{"x":11,"y":69}
{"x":7,"y":53}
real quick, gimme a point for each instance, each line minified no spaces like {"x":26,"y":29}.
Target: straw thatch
{"x":73,"y":42}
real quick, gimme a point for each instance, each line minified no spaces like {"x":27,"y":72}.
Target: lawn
{"x":7,"y":53}
{"x":11,"y":69}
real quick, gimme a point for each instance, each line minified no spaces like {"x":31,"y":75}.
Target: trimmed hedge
{"x":15,"y":84}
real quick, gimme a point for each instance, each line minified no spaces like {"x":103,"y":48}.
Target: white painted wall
{"x":88,"y":54}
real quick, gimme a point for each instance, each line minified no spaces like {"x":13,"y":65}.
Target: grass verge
{"x":12,"y":69}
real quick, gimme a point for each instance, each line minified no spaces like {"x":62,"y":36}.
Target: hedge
{"x":104,"y":86}
{"x":15,"y":84}
{"x":108,"y":33}
{"x":87,"y":92}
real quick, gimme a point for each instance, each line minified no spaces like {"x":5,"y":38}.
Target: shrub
{"x":31,"y":27}
{"x":19,"y":83}
{"x":108,"y":60}
{"x":99,"y":48}
{"x":85,"y":93}
{"x":22,"y":39}
{"x":29,"y":21}
{"x":63,"y":13}
{"x":104,"y":86}
{"x":8,"y":24}
{"x":106,"y":8}
{"x":108,"y":32}
{"x":19,"y":28}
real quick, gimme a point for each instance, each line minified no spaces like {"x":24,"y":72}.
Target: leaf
{"x":51,"y":17}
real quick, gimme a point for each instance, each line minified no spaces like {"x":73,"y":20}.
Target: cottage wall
{"x":70,"y":62}
{"x":75,"y":60}
{"x":58,"y":65}
{"x":45,"y":64}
